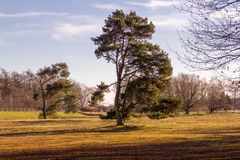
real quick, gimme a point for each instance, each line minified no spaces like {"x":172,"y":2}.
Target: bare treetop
{"x":211,"y":39}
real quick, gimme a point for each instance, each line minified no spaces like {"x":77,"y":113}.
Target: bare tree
{"x":233,"y":87}
{"x":84,"y":94}
{"x":211,"y":39}
{"x":5,"y":88}
{"x":16,"y":90}
{"x":217,"y":98}
{"x":190,"y":89}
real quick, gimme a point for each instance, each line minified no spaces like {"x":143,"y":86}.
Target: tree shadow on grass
{"x":215,"y":132}
{"x":105,"y":129}
{"x":225,"y":147}
{"x":127,"y":128}
{"x":51,"y":121}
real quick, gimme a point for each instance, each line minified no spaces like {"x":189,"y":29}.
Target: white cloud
{"x":107,"y":6}
{"x":169,"y":22}
{"x":153,"y":4}
{"x":69,"y":31}
{"x":31,"y":14}
{"x":61,"y":26}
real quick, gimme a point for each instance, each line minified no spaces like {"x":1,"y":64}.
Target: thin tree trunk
{"x":43,"y":103}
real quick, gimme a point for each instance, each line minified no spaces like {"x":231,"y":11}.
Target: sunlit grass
{"x":79,"y":135}
{"x":18,"y":115}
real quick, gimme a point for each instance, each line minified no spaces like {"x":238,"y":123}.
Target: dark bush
{"x":166,"y":107}
{"x":112,"y":114}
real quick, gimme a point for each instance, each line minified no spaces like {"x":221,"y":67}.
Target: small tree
{"x":53,"y":85}
{"x":125,"y":43}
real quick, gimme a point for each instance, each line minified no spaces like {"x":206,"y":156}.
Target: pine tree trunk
{"x":117,"y":105}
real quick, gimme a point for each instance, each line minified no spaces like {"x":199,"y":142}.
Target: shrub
{"x":156,"y":115}
{"x":112,"y":114}
{"x":166,"y":107}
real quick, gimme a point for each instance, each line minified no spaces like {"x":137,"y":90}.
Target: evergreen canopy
{"x":125,"y":42}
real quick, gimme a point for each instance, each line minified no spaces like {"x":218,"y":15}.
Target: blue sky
{"x":37,"y":33}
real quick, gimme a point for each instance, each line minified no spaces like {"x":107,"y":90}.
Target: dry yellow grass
{"x":213,"y":136}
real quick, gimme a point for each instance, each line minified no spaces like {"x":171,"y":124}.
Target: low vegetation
{"x":77,"y":136}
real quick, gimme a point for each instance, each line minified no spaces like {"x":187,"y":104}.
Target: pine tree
{"x":125,"y":42}
{"x":53,"y":87}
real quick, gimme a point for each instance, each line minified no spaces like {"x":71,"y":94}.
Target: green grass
{"x":32,"y":115}
{"x":77,"y":136}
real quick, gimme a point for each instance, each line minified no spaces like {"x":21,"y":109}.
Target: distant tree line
{"x":16,"y":91}
{"x":198,"y":94}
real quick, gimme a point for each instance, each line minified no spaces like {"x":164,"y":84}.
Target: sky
{"x":38,"y":33}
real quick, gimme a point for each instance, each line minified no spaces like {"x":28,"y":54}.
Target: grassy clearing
{"x":213,"y":136}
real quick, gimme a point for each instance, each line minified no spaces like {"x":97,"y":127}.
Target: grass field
{"x":70,"y":137}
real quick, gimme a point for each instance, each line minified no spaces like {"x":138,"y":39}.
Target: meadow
{"x":76,"y":136}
